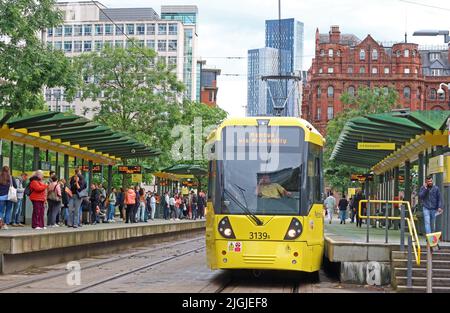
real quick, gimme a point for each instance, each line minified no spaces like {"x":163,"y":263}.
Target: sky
{"x":228,"y":28}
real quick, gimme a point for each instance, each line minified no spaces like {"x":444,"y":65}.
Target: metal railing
{"x":413,"y":239}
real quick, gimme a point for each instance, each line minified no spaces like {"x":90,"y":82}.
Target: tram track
{"x":64,"y":272}
{"x":141,"y":268}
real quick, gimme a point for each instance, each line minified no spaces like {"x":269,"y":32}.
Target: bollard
{"x":429,"y":269}
{"x":409,"y":266}
{"x":368,"y":220}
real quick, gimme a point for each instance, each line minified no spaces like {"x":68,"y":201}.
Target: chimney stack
{"x":335,"y":34}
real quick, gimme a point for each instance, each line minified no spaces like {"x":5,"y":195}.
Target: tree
{"x":366,"y":101}
{"x":140,"y":95}
{"x":26,"y":64}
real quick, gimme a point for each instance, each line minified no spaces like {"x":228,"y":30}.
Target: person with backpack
{"x":17,"y":207}
{"x":38,"y":197}
{"x":78,"y":187}
{"x":7,"y":183}
{"x":54,"y":201}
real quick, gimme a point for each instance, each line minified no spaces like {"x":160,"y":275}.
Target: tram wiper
{"x":244,"y":208}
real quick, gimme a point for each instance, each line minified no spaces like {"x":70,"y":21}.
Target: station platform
{"x":22,"y":248}
{"x":346,"y":247}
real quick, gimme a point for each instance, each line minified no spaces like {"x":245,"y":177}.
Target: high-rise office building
{"x":282,"y":56}
{"x":91,"y":26}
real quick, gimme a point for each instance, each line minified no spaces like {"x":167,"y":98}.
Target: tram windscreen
{"x":262,"y":170}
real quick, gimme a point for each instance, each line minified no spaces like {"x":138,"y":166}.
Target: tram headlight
{"x":225,"y":229}
{"x":295,"y":230}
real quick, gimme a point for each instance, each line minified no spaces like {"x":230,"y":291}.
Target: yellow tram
{"x":265,"y":207}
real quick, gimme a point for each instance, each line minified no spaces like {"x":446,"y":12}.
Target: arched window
{"x":330,"y":92}
{"x":362,"y":70}
{"x":338,"y":53}
{"x":407,"y":93}
{"x":330,"y":53}
{"x":362,"y":54}
{"x":398,"y":53}
{"x":386,"y":90}
{"x":406,"y":53}
{"x":351,"y":91}
{"x":375,"y":54}
{"x":330,"y":113}
{"x":322,"y":53}
{"x":374,"y":70}
{"x":319,"y":92}
{"x":433,"y":94}
{"x":441,"y":95}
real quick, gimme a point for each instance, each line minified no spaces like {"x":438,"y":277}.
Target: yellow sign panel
{"x":136,"y":178}
{"x":433,"y":239}
{"x":436,"y":165}
{"x":351,"y":192}
{"x":376,"y":146}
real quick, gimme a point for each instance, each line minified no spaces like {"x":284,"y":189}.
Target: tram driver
{"x":268,"y":190}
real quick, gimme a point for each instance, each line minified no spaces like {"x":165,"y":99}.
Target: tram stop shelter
{"x":72,"y":140}
{"x":169,"y":177}
{"x":400,"y":149}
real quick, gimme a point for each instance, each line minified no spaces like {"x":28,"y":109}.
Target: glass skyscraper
{"x":282,"y":55}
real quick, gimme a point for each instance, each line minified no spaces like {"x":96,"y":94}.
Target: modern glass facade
{"x":282,"y":56}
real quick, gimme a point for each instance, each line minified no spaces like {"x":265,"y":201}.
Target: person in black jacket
{"x":358,"y":197}
{"x":95,"y":203}
{"x":343,"y":203}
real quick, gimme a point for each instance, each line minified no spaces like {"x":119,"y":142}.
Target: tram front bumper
{"x":282,"y":255}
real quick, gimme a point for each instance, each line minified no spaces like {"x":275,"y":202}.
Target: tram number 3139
{"x":259,"y":235}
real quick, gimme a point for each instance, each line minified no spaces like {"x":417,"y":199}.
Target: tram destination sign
{"x":95,"y":168}
{"x":124,"y":169}
{"x":376,"y":146}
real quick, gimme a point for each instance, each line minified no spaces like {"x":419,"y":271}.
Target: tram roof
{"x":411,"y":132}
{"x":75,"y":136}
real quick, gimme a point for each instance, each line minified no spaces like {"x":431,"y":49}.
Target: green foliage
{"x":366,"y":101}
{"x":141,"y":97}
{"x":26,"y":64}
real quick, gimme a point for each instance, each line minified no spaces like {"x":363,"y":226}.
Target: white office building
{"x":91,"y":26}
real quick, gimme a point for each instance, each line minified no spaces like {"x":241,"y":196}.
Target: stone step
{"x":422,"y":289}
{"x":422,"y":281}
{"x":421,"y":272}
{"x":437,"y":264}
{"x":439,"y":255}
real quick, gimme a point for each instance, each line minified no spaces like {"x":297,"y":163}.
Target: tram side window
{"x":314,"y":174}
{"x":211,"y":178}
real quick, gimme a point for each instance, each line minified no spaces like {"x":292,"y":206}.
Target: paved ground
{"x":12,"y":231}
{"x":178,"y":267}
{"x":350,"y":233}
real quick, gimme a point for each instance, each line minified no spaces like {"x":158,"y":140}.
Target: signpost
{"x":376,"y":146}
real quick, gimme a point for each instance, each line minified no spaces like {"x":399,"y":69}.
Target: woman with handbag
{"x":38,"y":197}
{"x":54,"y":201}
{"x":8,"y":195}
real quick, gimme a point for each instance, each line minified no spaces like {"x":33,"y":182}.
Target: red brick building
{"x":343,"y":63}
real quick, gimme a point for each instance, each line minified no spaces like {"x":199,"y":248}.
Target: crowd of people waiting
{"x":73,"y":204}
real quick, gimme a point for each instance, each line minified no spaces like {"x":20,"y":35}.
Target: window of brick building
{"x":319,"y":113}
{"x":350,"y":70}
{"x":386,"y":70}
{"x":351,"y":91}
{"x":375,"y":54}
{"x":330,"y":113}
{"x":319,"y":92}
{"x":330,"y":92}
{"x":433,"y":94}
{"x":407,"y":71}
{"x":362,"y":70}
{"x":407,"y":93}
{"x":374,"y":70}
{"x":330,"y":53}
{"x":322,"y":53}
{"x":406,"y":53}
{"x":362,"y":54}
{"x":441,"y":96}
{"x":330,"y":70}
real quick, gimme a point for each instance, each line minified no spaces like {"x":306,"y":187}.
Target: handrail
{"x":409,"y":219}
